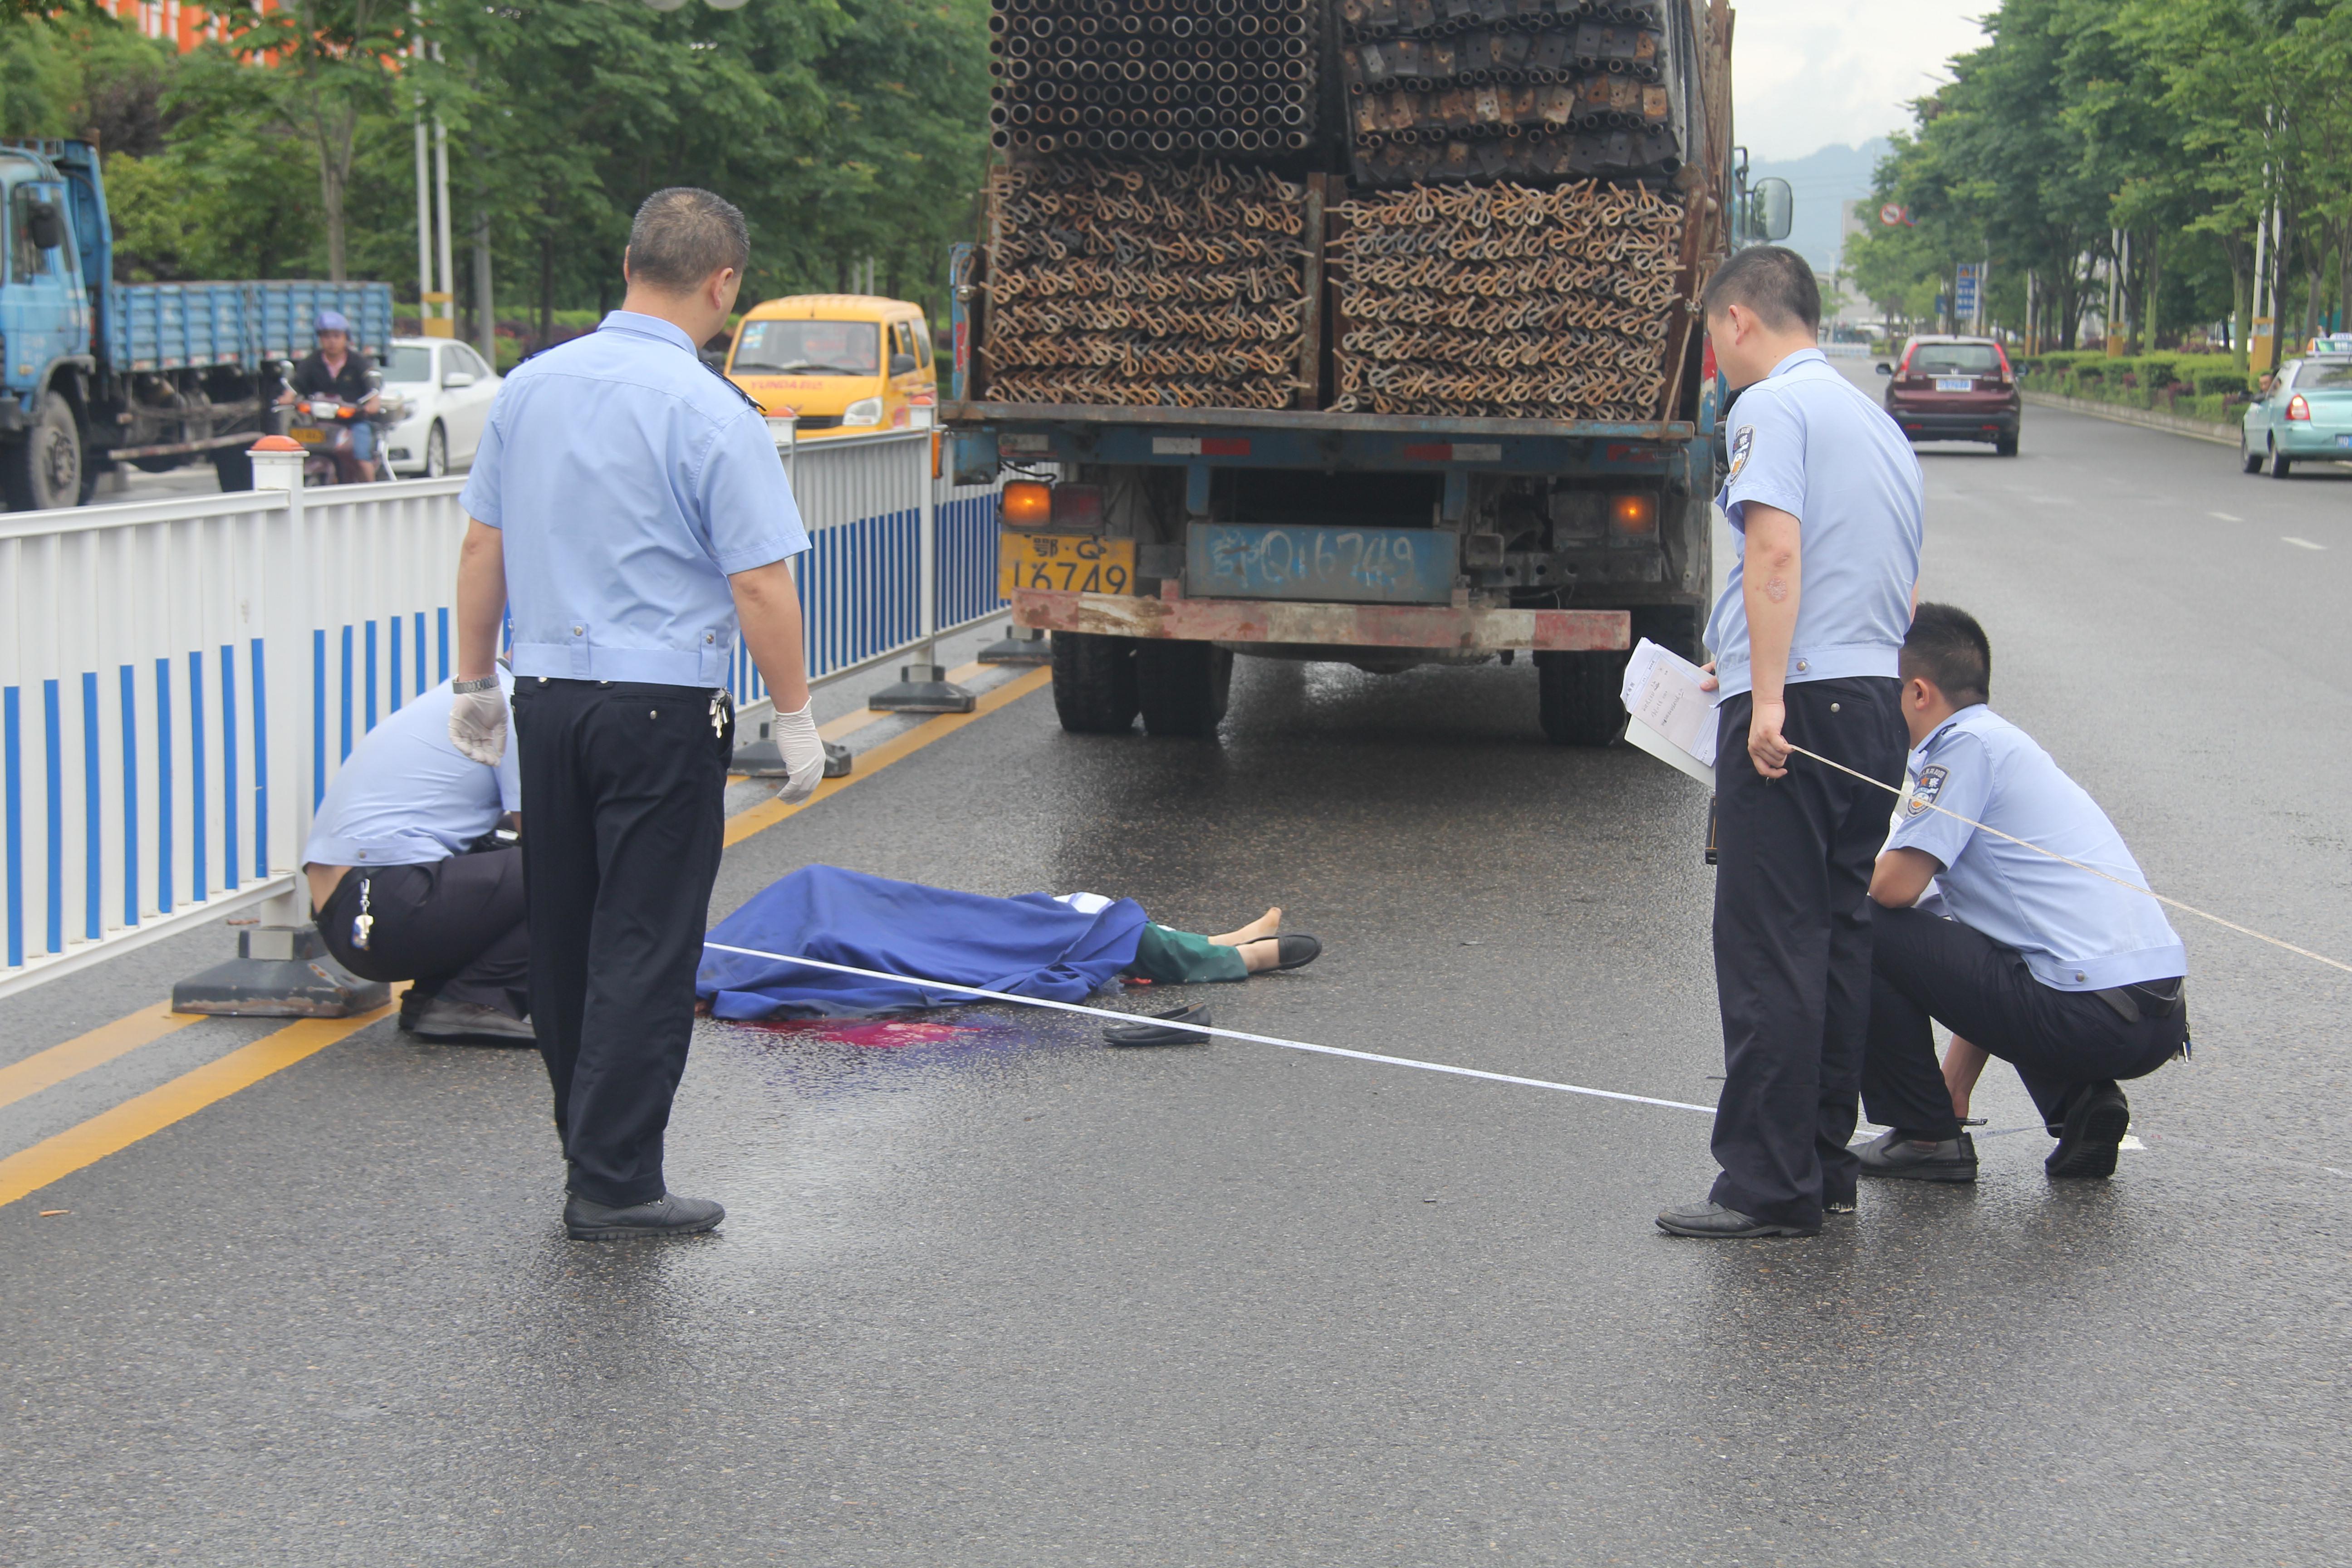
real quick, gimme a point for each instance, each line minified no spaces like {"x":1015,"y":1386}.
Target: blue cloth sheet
{"x":1032,"y":945}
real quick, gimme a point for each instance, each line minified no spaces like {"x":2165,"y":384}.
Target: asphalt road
{"x":1003,"y":1296}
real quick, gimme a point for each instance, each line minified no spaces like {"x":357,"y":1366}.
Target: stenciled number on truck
{"x":1277,"y":559}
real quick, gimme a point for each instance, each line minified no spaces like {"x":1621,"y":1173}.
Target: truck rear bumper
{"x":1433,"y":626}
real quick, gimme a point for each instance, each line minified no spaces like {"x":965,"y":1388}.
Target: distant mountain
{"x":1823,"y":182}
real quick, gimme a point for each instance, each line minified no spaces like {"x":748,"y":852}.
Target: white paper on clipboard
{"x":1668,"y":713}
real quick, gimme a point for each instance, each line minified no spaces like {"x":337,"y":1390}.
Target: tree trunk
{"x":2241,"y":316}
{"x":2152,"y":315}
{"x":546,"y":291}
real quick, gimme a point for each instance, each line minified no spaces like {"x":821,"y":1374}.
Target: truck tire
{"x":1577,"y":697}
{"x":1094,"y":683}
{"x":1183,"y":686}
{"x":43,"y":470}
{"x":234,"y":467}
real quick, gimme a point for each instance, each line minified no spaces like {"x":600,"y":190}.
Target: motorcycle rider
{"x":337,"y":370}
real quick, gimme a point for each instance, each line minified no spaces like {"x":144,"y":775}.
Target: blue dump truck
{"x":154,"y":374}
{"x":1383,"y":352}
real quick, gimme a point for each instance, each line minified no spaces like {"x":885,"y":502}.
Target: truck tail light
{"x":1028,"y":504}
{"x":1633,"y":516}
{"x":2296,"y":408}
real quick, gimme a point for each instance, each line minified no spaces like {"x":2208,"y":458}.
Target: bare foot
{"x":1265,"y":925}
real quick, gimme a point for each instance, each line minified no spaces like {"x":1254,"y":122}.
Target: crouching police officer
{"x":2073,"y":980}
{"x":412,"y":880}
{"x":631,"y":505}
{"x":1825,"y":494}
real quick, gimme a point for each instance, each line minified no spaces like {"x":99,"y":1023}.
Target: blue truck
{"x":95,"y":373}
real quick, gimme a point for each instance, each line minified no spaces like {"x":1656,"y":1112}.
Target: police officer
{"x":1825,"y":494}
{"x":413,"y":881}
{"x":629,"y":505}
{"x":2074,"y":981}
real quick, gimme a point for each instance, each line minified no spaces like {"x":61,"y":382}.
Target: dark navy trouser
{"x":1923,"y":966}
{"x":1792,"y":912}
{"x":624,"y":799}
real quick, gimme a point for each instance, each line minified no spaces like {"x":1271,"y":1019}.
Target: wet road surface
{"x":993,"y":1294}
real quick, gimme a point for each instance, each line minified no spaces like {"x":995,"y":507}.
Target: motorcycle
{"x":325,"y":426}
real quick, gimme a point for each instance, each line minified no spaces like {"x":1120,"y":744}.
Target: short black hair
{"x":1946,"y":645}
{"x":682,"y":235}
{"x":1771,"y":280}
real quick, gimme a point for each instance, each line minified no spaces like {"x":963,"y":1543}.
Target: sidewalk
{"x":2227,"y":435}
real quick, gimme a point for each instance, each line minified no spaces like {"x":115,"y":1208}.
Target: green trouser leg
{"x":1180,"y":958}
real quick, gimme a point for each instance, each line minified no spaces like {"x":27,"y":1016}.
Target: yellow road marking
{"x":55,"y":1158}
{"x":83,"y":1052}
{"x":767,"y":814}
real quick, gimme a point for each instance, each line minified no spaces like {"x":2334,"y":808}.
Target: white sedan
{"x":448,"y":389}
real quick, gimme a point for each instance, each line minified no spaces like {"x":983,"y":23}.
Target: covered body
{"x":1032,"y":945}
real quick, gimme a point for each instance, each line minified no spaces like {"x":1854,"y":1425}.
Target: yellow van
{"x":844,"y":363}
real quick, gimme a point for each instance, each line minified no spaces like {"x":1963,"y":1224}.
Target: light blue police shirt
{"x":406,"y":796}
{"x":1808,"y":441}
{"x":630,"y":483}
{"x":2078,"y":931}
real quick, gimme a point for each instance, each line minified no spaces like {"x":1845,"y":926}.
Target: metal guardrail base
{"x":1019,"y":645}
{"x":922,"y":688}
{"x":279,"y":972}
{"x":759,"y":757}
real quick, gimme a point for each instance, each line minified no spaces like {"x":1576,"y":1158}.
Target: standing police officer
{"x":1825,"y":493}
{"x":629,"y":507}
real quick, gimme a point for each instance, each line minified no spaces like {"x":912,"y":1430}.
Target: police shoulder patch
{"x":1930,"y":785}
{"x":1740,"y":442}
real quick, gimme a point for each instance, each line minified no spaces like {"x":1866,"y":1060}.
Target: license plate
{"x":1954,"y":384}
{"x":1064,"y":563}
{"x":2343,"y":440}
{"x":309,"y":435}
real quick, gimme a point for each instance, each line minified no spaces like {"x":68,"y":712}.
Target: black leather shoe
{"x":1713,"y":1222}
{"x":1892,"y":1154}
{"x":668,"y":1215}
{"x":1295,"y":951}
{"x":442,"y":1019}
{"x":2096,"y":1125}
{"x":1147,"y":1031}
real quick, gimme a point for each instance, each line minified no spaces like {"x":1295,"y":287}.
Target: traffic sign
{"x":1893,"y":216}
{"x":1963,"y":291}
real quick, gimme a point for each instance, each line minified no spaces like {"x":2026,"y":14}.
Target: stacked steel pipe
{"x":1180,"y":286}
{"x":1500,"y":301}
{"x":1153,"y":75}
{"x":1482,"y":90}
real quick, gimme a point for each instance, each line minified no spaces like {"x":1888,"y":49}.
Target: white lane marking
{"x":2300,"y":544}
{"x":2225,"y":517}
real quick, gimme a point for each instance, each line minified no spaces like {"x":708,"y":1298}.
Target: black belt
{"x":2147,"y":999}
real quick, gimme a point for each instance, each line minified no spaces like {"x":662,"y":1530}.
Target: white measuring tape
{"x":2062,"y":860}
{"x":1221,"y":1034}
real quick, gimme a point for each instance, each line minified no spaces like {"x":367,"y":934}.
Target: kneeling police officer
{"x":2074,"y":981}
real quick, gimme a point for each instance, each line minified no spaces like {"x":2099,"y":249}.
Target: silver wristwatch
{"x":481,"y":683}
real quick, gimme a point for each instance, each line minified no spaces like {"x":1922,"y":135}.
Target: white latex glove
{"x":477,"y":725}
{"x":803,"y":753}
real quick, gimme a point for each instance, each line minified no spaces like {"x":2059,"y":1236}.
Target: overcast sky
{"x":1808,"y":73}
